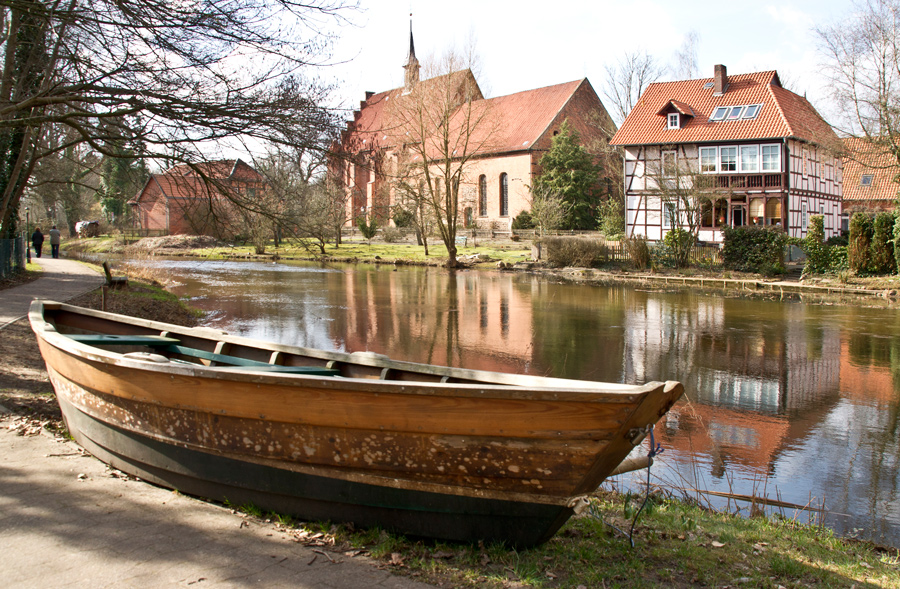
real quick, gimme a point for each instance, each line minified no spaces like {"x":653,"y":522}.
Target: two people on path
{"x":37,"y":240}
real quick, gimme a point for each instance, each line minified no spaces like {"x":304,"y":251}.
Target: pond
{"x":796,"y":401}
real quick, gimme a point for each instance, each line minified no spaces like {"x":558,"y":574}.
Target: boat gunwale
{"x":535,"y":387}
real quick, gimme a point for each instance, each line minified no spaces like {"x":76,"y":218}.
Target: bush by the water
{"x":754,"y":249}
{"x":859,"y":248}
{"x":882,"y":256}
{"x":575,"y":251}
{"x":403,"y":217}
{"x":675,"y":248}
{"x":818,"y":253}
{"x":638,"y":251}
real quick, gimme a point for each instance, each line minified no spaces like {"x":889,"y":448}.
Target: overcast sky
{"x":525,"y":45}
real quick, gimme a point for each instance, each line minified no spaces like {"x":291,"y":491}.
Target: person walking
{"x":37,"y":240}
{"x":54,"y":242}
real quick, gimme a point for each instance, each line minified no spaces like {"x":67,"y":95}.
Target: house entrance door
{"x":738,"y":215}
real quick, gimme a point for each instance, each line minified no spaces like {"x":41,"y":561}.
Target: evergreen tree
{"x":569,"y":170}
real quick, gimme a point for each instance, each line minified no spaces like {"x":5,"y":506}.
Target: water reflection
{"x":792,"y":399}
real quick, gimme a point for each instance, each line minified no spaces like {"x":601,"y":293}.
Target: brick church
{"x":499,"y":171}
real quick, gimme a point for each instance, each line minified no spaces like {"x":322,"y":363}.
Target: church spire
{"x":411,"y":76}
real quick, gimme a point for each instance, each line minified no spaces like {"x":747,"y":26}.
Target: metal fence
{"x":12,"y":256}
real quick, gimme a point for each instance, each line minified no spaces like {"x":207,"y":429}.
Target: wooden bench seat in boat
{"x":123,"y":340}
{"x":235,"y":362}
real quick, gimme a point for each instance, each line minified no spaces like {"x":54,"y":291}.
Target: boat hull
{"x":314,"y":498}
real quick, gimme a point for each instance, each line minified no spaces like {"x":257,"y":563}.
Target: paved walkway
{"x":60,"y":280}
{"x":68,"y":521}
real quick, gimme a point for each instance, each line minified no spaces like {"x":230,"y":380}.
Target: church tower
{"x":411,"y":76}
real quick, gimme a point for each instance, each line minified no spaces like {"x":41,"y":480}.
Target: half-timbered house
{"x":758,"y":154}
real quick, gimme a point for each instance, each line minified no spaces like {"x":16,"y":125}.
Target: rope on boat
{"x":655,"y":450}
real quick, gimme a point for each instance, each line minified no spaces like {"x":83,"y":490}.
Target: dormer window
{"x":674,"y":120}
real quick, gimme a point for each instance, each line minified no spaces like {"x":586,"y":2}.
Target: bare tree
{"x":862,"y":60}
{"x":197,"y":73}
{"x":442,"y":124}
{"x":303,"y":202}
{"x":627,"y":80}
{"x":686,"y":66}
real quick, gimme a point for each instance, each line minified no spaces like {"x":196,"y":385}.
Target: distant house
{"x":496,"y":186}
{"x":181,"y":200}
{"x":870,"y":177}
{"x":763,"y":152}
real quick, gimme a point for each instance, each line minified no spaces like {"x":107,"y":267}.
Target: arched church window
{"x":482,"y":196}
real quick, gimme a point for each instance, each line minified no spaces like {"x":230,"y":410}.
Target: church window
{"x":504,"y":195}
{"x":482,"y":196}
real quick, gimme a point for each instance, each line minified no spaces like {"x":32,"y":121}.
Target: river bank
{"x":515,"y":256}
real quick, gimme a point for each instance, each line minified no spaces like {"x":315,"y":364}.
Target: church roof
{"x":514,"y":122}
{"x":781,"y":113}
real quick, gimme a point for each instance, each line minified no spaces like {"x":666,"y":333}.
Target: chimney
{"x":720,"y":78}
{"x":369,"y":94}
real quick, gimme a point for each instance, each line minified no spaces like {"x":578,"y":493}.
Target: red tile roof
{"x":514,"y":122}
{"x":861,"y":157}
{"x":783,"y":113}
{"x":184,"y":182}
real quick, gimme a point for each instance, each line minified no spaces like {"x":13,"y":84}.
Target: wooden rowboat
{"x":429,"y":451}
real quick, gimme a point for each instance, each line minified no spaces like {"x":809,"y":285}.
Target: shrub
{"x":523,"y":221}
{"x":859,"y":246}
{"x":367,"y":229}
{"x":818,"y":254}
{"x":897,"y":244}
{"x":754,"y":249}
{"x":638,"y":251}
{"x":882,"y":256}
{"x":574,"y":251}
{"x":392,"y":234}
{"x":675,"y":247}
{"x":403,"y":217}
{"x":612,"y":217}
{"x":837,"y":240}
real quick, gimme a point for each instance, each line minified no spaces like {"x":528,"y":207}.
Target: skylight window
{"x":752,"y":111}
{"x":708,"y":85}
{"x":866,"y":179}
{"x":735,"y":113}
{"x":719,"y":113}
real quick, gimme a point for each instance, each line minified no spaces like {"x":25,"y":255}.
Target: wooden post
{"x":103,"y":292}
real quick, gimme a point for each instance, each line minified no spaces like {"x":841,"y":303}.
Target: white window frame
{"x":739,"y":109}
{"x":754,"y":108}
{"x":744,"y":165}
{"x":715,"y":158}
{"x":762,"y":165}
{"x":720,"y":113}
{"x":866,"y":179}
{"x":721,"y":153}
{"x":670,"y":217}
{"x":663,"y":156}
{"x":674,"y":120}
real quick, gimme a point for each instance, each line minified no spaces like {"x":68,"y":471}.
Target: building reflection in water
{"x":791,"y":398}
